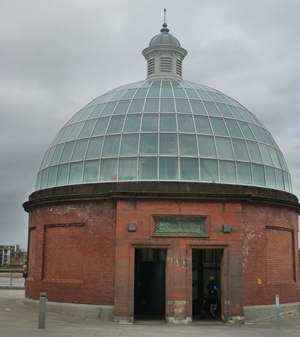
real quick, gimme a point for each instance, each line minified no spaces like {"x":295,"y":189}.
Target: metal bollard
{"x":10,"y":283}
{"x":42,"y":310}
{"x":277,"y":312}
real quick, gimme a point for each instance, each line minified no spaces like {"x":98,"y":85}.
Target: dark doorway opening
{"x":205,"y":263}
{"x":150,"y":283}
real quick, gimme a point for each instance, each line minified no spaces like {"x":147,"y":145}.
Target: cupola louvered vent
{"x":151,"y":66}
{"x":164,"y":55}
{"x":166,"y":64}
{"x":179,"y":67}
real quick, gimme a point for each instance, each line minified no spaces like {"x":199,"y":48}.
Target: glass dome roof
{"x":164,"y":130}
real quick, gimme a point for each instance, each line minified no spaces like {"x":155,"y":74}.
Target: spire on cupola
{"x":164,"y":54}
{"x":165,"y":29}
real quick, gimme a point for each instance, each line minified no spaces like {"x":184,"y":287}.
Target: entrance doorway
{"x":205,"y":263}
{"x":150,"y":283}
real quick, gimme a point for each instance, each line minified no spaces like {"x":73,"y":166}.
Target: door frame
{"x":131,"y":271}
{"x":223,"y":286}
{"x":124,"y":287}
{"x":151,"y":288}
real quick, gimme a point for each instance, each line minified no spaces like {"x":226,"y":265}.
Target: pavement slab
{"x":18,"y":319}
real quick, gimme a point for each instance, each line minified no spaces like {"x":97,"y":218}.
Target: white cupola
{"x":164,"y":55}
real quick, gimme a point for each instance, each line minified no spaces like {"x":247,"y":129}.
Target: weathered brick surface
{"x":270,"y":263}
{"x":178,"y":265}
{"x":31,"y":251}
{"x":72,"y":252}
{"x":80,"y":250}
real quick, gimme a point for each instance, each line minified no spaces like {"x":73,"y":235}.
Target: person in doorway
{"x":25,"y":272}
{"x":213,"y":296}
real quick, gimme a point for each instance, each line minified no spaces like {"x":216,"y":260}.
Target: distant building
{"x":152,"y":188}
{"x":18,"y":258}
{"x":7,"y":252}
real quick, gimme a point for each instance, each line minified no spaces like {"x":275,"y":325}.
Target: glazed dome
{"x":164,"y":129}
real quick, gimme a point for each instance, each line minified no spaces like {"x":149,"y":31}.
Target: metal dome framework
{"x":164,"y":130}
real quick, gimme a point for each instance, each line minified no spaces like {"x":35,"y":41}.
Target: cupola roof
{"x":165,"y":37}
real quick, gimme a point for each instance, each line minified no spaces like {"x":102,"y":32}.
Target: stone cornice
{"x":164,"y":190}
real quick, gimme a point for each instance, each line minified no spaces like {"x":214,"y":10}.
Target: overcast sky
{"x":58,"y":55}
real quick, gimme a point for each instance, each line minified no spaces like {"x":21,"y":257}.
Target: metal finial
{"x":165,"y":29}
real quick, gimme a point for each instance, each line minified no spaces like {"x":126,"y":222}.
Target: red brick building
{"x":152,"y":188}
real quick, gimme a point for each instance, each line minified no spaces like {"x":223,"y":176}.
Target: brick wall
{"x":64,"y":252}
{"x":78,"y":240}
{"x":178,"y":265}
{"x":72,"y":252}
{"x":280,"y":261}
{"x":31,"y":251}
{"x":270,"y":241}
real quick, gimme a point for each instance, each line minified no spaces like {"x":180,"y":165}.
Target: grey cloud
{"x":57,"y":56}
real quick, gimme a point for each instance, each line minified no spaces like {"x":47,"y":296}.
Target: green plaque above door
{"x":194,"y":226}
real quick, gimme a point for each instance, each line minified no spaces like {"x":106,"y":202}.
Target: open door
{"x":150,"y":283}
{"x":206,"y":263}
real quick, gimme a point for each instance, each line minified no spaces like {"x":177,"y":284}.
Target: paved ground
{"x":11,"y":280}
{"x":17,"y":319}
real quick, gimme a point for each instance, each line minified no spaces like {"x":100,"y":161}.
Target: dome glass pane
{"x":164,"y":130}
